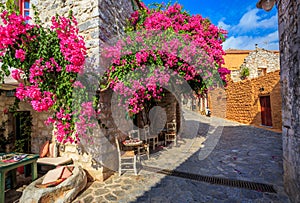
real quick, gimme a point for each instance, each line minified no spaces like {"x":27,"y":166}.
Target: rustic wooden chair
{"x":143,"y":149}
{"x":127,"y":159}
{"x":170,"y":135}
{"x":151,"y":139}
{"x":134,"y":134}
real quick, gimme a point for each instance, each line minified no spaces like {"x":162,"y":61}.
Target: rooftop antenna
{"x":266,"y":43}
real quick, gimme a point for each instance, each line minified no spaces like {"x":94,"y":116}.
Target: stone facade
{"x":99,"y":22}
{"x":259,"y":62}
{"x":241,"y":100}
{"x":40,"y":132}
{"x":289,"y":33}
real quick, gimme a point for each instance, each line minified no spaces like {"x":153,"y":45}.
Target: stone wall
{"x":289,"y":34}
{"x":241,"y":100}
{"x":40,"y":132}
{"x":99,"y":22}
{"x":261,"y":59}
{"x":259,"y":62}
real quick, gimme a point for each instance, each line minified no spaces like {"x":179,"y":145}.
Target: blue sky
{"x":246,"y":25}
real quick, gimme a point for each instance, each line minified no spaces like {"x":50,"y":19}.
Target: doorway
{"x":22,"y":124}
{"x":266,"y":114}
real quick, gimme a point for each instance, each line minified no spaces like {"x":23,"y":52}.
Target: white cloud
{"x":251,"y":30}
{"x":223,"y":25}
{"x":269,"y":42}
{"x":251,"y":20}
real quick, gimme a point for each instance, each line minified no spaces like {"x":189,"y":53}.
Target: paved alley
{"x":209,"y":148}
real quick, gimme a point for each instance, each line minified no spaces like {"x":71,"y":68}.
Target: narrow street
{"x":215,"y":161}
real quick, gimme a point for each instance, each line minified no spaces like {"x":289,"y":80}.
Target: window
{"x":261,"y":72}
{"x":25,"y":7}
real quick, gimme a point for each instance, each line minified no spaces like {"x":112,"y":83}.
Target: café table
{"x":131,"y":144}
{"x":8,"y":163}
{"x":137,"y":146}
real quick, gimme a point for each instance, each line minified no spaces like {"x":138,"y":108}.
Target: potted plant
{"x":244,"y":72}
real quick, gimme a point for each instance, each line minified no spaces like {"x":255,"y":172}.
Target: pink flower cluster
{"x":87,"y":120}
{"x":62,"y":126}
{"x":185,"y":45}
{"x":72,"y":45}
{"x":223,"y":73}
{"x":142,"y":89}
{"x":12,"y":31}
{"x":47,"y":77}
{"x":16,"y":74}
{"x":197,"y":29}
{"x":40,"y":100}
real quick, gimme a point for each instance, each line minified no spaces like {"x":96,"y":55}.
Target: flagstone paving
{"x":208,"y":147}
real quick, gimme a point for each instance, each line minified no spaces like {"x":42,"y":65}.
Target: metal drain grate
{"x":261,"y":187}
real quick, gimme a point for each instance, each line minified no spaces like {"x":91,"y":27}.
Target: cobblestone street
{"x":208,"y":147}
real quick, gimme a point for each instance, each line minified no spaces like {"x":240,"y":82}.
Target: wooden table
{"x":5,"y":167}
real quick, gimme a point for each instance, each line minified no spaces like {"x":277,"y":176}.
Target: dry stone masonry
{"x":259,"y":62}
{"x":241,"y":100}
{"x":289,"y":33}
{"x":99,"y":22}
{"x":40,"y":132}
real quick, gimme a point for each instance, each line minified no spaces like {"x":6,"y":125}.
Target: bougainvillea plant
{"x":162,"y":42}
{"x":46,"y":62}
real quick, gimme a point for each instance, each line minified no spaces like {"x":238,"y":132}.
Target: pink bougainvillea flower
{"x":16,"y":74}
{"x":47,"y":82}
{"x":20,"y":54}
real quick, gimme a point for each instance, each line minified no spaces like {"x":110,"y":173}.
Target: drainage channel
{"x":261,"y":187}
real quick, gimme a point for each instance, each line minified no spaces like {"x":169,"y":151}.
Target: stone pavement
{"x":209,"y":147}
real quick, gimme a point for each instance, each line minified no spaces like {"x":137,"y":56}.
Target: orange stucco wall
{"x":234,"y":58}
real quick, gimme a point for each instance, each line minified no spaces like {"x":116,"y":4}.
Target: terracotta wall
{"x":242,"y":100}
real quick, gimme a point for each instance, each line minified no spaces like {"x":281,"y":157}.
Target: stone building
{"x":233,"y":60}
{"x":254,"y":101}
{"x":99,"y":22}
{"x":289,"y":35}
{"x":258,"y":62}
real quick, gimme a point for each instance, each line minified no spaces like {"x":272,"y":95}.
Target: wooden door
{"x":266,"y":115}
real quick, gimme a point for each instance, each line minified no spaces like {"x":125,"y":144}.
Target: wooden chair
{"x":170,"y":135}
{"x":151,"y":139}
{"x":134,"y":134}
{"x":143,"y":149}
{"x":127,"y":159}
